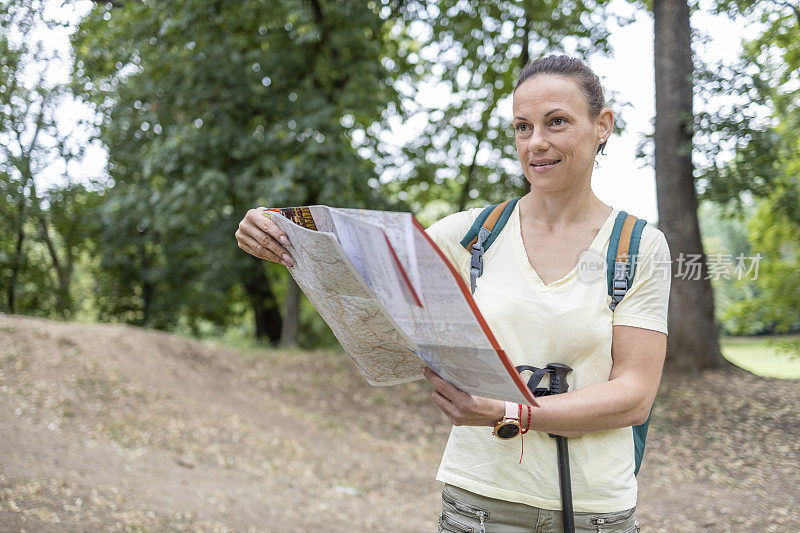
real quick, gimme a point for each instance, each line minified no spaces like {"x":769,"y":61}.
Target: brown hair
{"x":561,"y":65}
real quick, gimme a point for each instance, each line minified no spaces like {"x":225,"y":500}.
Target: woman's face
{"x":556,"y":137}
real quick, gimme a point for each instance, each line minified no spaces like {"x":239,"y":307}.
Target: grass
{"x":760,"y":356}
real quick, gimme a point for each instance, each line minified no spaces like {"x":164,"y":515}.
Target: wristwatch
{"x":509,"y":426}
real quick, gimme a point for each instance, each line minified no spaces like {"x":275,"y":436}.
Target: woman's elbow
{"x":642,"y":415}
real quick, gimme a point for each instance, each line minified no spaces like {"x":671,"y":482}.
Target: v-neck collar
{"x":597,"y":245}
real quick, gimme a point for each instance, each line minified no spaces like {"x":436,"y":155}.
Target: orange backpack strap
{"x":623,"y":249}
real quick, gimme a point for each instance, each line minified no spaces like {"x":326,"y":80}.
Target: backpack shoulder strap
{"x":623,"y":250}
{"x":482,"y":234}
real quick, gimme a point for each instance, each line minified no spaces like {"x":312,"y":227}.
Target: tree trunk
{"x":63,"y":269}
{"x":291,"y":316}
{"x":16,"y":265}
{"x":693,"y":342}
{"x":265,"y":309}
{"x":148,"y":290}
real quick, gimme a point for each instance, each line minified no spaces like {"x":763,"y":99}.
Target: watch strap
{"x":512,"y":411}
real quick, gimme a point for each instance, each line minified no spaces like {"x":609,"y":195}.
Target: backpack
{"x":624,"y":243}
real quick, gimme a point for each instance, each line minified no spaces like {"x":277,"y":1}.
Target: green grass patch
{"x":761,"y":356}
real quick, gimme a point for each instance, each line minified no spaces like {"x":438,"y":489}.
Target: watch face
{"x":508,"y":431}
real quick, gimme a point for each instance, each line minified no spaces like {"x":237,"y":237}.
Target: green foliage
{"x":776,"y":306}
{"x":761,"y":182}
{"x":209,"y":109}
{"x":725,"y":239}
{"x":474,"y":52}
{"x":790,"y":348}
{"x":759,"y":125}
{"x":41,"y":229}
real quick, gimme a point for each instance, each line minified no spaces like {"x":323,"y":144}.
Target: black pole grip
{"x":558,"y":377}
{"x":558,"y":381}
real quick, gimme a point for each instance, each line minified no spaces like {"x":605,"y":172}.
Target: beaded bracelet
{"x":528,"y":425}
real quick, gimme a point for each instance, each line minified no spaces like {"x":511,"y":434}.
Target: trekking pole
{"x":558,"y":385}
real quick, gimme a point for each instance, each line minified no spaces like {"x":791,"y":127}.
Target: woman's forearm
{"x":613,"y":404}
{"x":604,"y":406}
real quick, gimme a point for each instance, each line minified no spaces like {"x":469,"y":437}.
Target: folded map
{"x":394,"y":301}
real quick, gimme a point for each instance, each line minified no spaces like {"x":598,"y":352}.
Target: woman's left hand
{"x":462,"y":408}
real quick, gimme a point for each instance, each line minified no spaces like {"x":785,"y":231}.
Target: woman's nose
{"x":538,"y":141}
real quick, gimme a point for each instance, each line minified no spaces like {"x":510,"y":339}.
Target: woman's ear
{"x":605,"y":123}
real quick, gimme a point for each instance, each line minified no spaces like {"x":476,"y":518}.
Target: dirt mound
{"x":111,"y":427}
{"x":114,"y":427}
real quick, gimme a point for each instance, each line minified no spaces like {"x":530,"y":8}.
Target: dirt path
{"x":108,"y":427}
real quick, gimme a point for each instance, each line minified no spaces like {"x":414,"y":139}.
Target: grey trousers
{"x":466,"y":512}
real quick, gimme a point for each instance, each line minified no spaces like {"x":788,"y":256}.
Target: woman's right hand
{"x":258,"y":235}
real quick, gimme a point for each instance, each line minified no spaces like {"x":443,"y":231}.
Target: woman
{"x":541,"y":311}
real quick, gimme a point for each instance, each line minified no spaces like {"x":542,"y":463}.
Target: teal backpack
{"x":625,"y":238}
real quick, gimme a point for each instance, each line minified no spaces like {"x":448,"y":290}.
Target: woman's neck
{"x":563,"y":208}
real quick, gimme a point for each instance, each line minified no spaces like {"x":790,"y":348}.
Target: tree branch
{"x":462,"y":202}
{"x":526,"y":52}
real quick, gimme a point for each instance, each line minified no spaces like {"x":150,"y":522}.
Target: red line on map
{"x":526,"y":392}
{"x":402,"y":271}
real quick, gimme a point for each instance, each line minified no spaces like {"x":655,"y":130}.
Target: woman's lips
{"x":544,"y":167}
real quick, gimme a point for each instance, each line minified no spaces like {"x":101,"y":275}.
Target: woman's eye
{"x":558,"y":121}
{"x":521,"y":127}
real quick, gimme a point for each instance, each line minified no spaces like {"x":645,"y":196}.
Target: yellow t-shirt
{"x":567,"y":321}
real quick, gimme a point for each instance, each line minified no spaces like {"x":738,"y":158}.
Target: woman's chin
{"x":542,"y":184}
{"x":547,"y":182}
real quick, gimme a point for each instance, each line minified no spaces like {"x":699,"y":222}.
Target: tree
{"x":210,"y":108}
{"x":693,"y":341}
{"x":34,"y":147}
{"x":24,"y":115}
